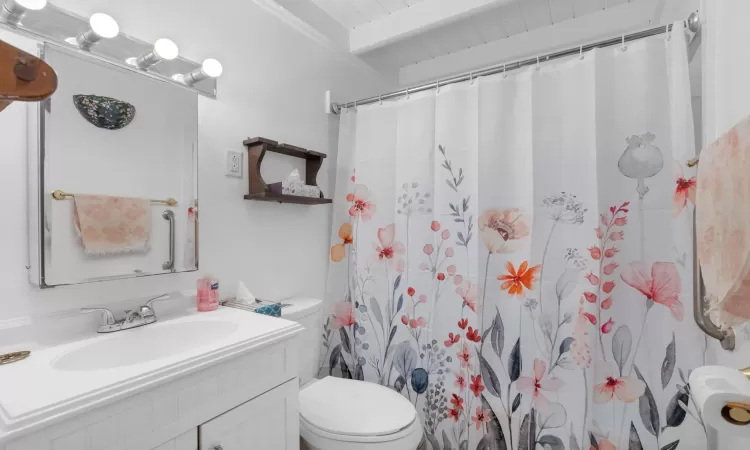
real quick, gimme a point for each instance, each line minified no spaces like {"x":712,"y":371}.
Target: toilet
{"x":341,"y":414}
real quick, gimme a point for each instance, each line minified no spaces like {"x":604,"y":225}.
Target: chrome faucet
{"x":143,"y":316}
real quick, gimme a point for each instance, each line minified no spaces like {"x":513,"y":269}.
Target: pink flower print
{"x":343,"y":315}
{"x":607,"y":327}
{"x":451,"y":270}
{"x":684,"y":191}
{"x":607,"y":303}
{"x":608,"y":286}
{"x":428,"y":249}
{"x":661,"y":285}
{"x":449,"y":252}
{"x":596,"y":253}
{"x":362,"y":206}
{"x":468,"y":293}
{"x":617,"y":236}
{"x":593,"y":279}
{"x":465,"y":357}
{"x":389,"y":249}
{"x":482,"y":417}
{"x":626,"y":389}
{"x":609,"y":269}
{"x":621,"y":222}
{"x":446,"y":235}
{"x":538,"y":383}
{"x":435,"y":226}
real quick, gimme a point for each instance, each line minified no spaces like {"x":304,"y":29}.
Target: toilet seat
{"x":336,"y":412}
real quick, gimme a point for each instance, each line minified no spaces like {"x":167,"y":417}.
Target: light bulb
{"x":13,"y":10}
{"x":212,"y":68}
{"x":166,"y":49}
{"x":104,"y":25}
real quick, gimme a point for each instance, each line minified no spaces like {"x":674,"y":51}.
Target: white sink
{"x":143,"y":344}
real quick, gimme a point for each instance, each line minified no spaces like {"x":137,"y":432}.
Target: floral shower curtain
{"x":513,"y":255}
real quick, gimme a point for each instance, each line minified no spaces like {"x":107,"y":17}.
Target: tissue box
{"x":297,"y":188}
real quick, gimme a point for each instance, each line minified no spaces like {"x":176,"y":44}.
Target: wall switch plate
{"x":234,"y":164}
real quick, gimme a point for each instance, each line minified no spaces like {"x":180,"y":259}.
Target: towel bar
{"x":60,"y":195}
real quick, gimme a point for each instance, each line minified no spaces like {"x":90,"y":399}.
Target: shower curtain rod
{"x":692,"y":23}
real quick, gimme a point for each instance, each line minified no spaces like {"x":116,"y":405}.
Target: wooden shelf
{"x":260,"y":190}
{"x":267,"y":197}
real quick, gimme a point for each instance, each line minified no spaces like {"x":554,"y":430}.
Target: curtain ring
{"x":624,"y":47}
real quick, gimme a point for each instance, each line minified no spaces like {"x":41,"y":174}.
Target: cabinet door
{"x":185,"y":441}
{"x":267,"y":422}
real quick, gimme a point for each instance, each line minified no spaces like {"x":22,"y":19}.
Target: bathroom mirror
{"x":116,"y":170}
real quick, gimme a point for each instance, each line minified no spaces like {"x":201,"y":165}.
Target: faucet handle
{"x":108,"y":317}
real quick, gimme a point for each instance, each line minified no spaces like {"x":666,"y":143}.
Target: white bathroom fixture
{"x":14,"y":10}
{"x":164,"y":49}
{"x":330,"y":418}
{"x":211,"y":68}
{"x":102,"y":26}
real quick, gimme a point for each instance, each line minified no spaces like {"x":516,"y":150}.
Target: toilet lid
{"x":355,"y":408}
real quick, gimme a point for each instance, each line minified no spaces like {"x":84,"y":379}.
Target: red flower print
{"x":661,"y":285}
{"x":609,"y":269}
{"x":428,"y":249}
{"x":482,"y":416}
{"x":473,"y":335}
{"x":627,"y":389}
{"x":476,"y":385}
{"x":435,"y":226}
{"x":411,"y":292}
{"x":389,"y":249}
{"x":458,"y":402}
{"x":611,"y":252}
{"x":621,"y":222}
{"x":608,"y":287}
{"x":607,"y":303}
{"x":593,"y":279}
{"x":684,"y":191}
{"x":405,"y":320}
{"x":344,"y":315}
{"x":446,"y":234}
{"x":617,"y":236}
{"x":590,"y":317}
{"x":607,"y":327}
{"x":453,"y":414}
{"x":515,"y":281}
{"x":441,"y":276}
{"x":590,"y":297}
{"x":468,"y":293}
{"x":538,"y":383}
{"x":452,"y":339}
{"x":596,"y":253}
{"x":460,"y":382}
{"x":465,"y":357}
{"x":362,"y":207}
{"x":462,"y":323}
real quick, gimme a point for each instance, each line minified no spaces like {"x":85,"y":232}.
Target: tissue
{"x":712,"y":388}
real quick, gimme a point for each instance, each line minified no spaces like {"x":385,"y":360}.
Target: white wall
{"x":273,"y":84}
{"x":726,"y":101}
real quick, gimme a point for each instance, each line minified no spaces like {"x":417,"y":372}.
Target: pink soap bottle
{"x":208,"y":294}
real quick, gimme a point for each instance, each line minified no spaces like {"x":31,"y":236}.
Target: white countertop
{"x":33,"y":392}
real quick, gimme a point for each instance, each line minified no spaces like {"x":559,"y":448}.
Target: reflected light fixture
{"x":14,"y":10}
{"x":210,"y":68}
{"x":164,"y":49}
{"x":102,"y":26}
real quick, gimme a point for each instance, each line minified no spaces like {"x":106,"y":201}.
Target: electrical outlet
{"x":234,"y":164}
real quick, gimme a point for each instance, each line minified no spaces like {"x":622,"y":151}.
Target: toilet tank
{"x":308,"y":312}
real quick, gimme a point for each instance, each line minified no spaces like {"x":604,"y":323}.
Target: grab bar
{"x":727,"y":338}
{"x":169,"y":215}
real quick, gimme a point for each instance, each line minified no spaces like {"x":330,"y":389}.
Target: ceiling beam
{"x":415,"y":19}
{"x":579,"y":31}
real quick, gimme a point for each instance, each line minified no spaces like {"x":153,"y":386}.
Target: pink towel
{"x":112,"y":225}
{"x":723,"y":225}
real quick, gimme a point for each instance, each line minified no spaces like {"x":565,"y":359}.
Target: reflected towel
{"x":723,"y":225}
{"x":112,"y":225}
